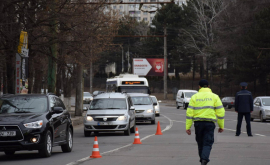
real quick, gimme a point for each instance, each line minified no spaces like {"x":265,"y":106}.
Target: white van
{"x":183,"y":97}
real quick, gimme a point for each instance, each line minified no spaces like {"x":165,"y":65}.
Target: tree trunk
{"x":79,"y":91}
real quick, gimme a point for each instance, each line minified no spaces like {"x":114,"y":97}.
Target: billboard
{"x":148,"y":66}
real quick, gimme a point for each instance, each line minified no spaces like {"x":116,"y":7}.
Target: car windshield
{"x":154,"y":99}
{"x":86,"y":94}
{"x":266,"y":102}
{"x":99,"y":104}
{"x":134,"y":89}
{"x":189,"y":94}
{"x":23,"y":104}
{"x":141,"y":100}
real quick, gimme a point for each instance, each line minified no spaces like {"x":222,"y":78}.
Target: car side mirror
{"x":132,"y":108}
{"x":154,"y":103}
{"x":57,"y":109}
{"x":85,"y":108}
{"x":258,"y":104}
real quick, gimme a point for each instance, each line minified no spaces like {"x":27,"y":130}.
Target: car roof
{"x":153,"y":96}
{"x":263,"y":97}
{"x":25,"y":95}
{"x":110,"y":95}
{"x":187,"y":90}
{"x":137,"y":94}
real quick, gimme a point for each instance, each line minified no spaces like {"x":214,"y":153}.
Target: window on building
{"x":145,"y":0}
{"x":121,"y":7}
{"x":131,"y":12}
{"x":121,"y":13}
{"x":145,"y":13}
{"x":114,"y":7}
{"x":138,"y":12}
{"x":145,"y":19}
{"x":152,"y":0}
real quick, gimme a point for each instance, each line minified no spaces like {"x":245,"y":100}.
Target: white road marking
{"x":88,"y":158}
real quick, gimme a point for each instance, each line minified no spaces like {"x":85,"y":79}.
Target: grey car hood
{"x":115,"y":112}
{"x":266,"y":107}
{"x":143,"y":107}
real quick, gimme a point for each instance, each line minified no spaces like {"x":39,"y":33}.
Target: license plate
{"x":139,"y":115}
{"x":104,"y":123}
{"x":7,"y":133}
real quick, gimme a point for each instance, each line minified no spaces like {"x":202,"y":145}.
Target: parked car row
{"x":111,"y":112}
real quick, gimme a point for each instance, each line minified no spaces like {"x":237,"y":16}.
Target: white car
{"x":87,"y":97}
{"x":261,"y":108}
{"x":157,"y":109}
{"x":183,"y":97}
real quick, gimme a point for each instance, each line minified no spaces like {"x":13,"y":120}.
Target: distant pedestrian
{"x":205,"y":108}
{"x":243,"y":106}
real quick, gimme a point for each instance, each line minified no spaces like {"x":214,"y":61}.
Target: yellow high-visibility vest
{"x":205,"y":106}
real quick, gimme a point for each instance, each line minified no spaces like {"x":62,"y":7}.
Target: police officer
{"x":243,"y":106}
{"x":203,"y":108}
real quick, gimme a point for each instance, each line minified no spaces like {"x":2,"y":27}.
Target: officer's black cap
{"x":203,"y":83}
{"x":243,"y":84}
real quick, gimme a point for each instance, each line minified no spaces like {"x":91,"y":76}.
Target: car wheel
{"x":229,"y":107}
{"x":251,"y":119}
{"x":177,"y":107}
{"x":133,"y":129}
{"x":153,"y":121}
{"x":68,"y":147}
{"x":87,"y":133}
{"x":184,"y":105}
{"x":127,"y":132}
{"x":158,"y":114}
{"x":9,"y":153}
{"x":46,"y":150}
{"x":261,"y":117}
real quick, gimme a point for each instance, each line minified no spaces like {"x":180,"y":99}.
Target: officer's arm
{"x":220,"y":112}
{"x":251,"y":103}
{"x":236,"y":103}
{"x":189,"y":113}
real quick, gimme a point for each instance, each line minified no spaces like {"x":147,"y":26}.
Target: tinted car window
{"x":59,"y":103}
{"x":23,"y":104}
{"x":98,"y":104}
{"x":140,"y":100}
{"x":189,"y":94}
{"x":266,"y":102}
{"x":86,"y":94}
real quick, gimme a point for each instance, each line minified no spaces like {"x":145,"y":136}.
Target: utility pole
{"x":165,"y":62}
{"x":91,"y":75}
{"x":122,"y":58}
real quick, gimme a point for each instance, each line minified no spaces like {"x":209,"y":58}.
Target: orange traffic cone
{"x":137,"y":137}
{"x":95,"y":153}
{"x":158,"y":129}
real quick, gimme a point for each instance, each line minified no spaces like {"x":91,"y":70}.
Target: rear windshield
{"x":141,"y":100}
{"x":24,"y":104}
{"x":189,"y":94}
{"x":154,"y":99}
{"x":99,"y":104}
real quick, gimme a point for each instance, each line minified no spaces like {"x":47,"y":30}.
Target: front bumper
{"x":23,"y":142}
{"x":103,"y":126}
{"x":145,"y":116}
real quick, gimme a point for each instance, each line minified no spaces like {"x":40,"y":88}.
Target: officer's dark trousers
{"x":239,"y":123}
{"x":204,"y":131}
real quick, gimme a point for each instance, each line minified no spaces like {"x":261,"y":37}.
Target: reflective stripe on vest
{"x":205,"y":107}
{"x":199,"y":118}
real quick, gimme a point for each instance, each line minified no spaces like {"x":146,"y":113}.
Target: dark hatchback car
{"x":34,"y":122}
{"x":228,"y":102}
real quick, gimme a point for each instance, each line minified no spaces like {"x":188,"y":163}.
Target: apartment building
{"x":147,"y":11}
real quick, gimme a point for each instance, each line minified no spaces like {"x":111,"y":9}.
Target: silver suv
{"x":144,"y":107}
{"x":110,"y":112}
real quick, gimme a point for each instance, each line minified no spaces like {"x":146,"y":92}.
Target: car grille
{"x":139,"y":111}
{"x":108,"y":119}
{"x":18,"y":137}
{"x":105,"y":126}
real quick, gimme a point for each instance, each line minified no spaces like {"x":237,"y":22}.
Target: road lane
{"x":173,"y":147}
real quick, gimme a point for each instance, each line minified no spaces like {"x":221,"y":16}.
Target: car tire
{"x":127,"y":132}
{"x":261,"y":117}
{"x":153,"y":121}
{"x":157,"y":114}
{"x":229,"y":107}
{"x":46,"y":150}
{"x":184,"y":105}
{"x":9,"y":153}
{"x":87,"y":133}
{"x":251,"y":119}
{"x":133,"y":129}
{"x":177,"y":107}
{"x":68,"y":146}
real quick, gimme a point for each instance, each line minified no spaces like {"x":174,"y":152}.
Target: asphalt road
{"x":174,"y":147}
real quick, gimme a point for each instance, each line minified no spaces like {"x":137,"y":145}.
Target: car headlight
{"x":156,"y":107}
{"x":89,"y":118}
{"x":121,"y":118}
{"x":36,"y":124}
{"x":149,"y":111}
